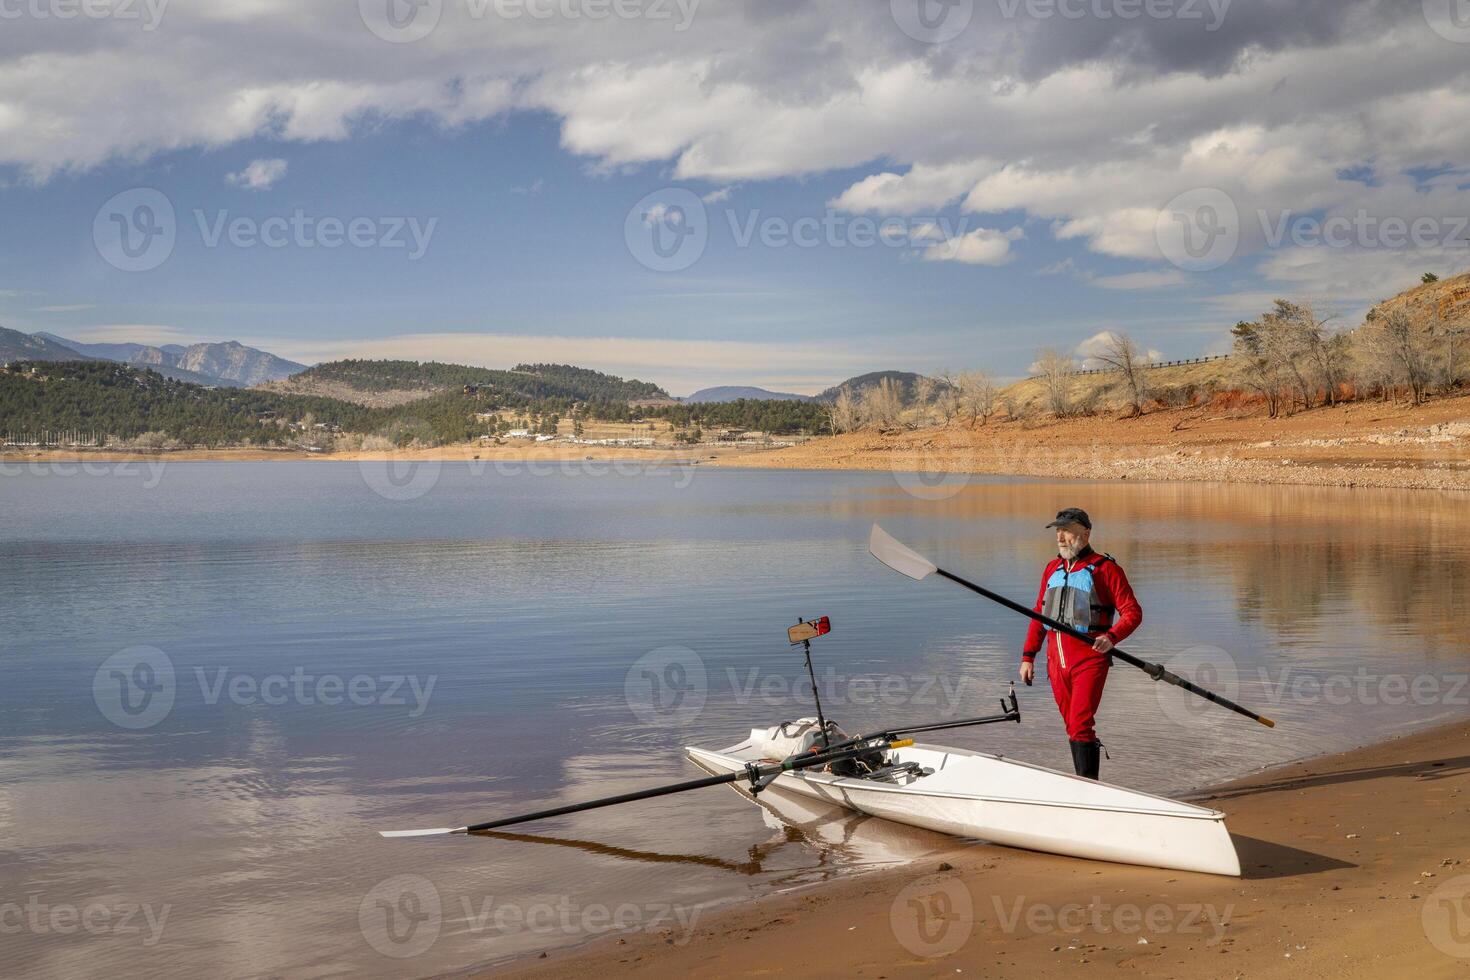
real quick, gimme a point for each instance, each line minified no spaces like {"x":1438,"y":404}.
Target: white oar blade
{"x":433,"y":832}
{"x":897,"y":556}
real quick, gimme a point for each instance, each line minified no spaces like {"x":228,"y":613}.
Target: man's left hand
{"x":1102,"y":644}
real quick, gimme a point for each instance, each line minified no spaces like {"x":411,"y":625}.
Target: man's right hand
{"x":1028,"y":671}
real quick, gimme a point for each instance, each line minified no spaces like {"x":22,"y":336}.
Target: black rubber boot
{"x":1079,"y":757}
{"x":1091,"y":758}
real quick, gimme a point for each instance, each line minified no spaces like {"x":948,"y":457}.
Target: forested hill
{"x":522,"y":384}
{"x":122,"y":402}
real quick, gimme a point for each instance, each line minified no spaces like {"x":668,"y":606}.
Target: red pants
{"x":1078,"y":688}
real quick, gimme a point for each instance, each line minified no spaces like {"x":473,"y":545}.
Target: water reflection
{"x":529,"y":601}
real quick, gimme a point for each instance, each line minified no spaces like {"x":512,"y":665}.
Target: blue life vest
{"x":1071,"y":598}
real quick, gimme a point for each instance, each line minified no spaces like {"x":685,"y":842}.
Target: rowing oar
{"x":899,"y":557}
{"x":760,"y":776}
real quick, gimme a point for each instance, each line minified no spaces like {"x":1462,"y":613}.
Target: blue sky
{"x":1028,"y":196}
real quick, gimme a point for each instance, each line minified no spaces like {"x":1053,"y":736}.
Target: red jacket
{"x":1110,"y":591}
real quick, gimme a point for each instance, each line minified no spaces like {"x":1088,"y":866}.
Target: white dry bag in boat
{"x":786,"y":739}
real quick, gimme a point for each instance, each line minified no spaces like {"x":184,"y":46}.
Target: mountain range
{"x":731,"y":393}
{"x":228,"y":364}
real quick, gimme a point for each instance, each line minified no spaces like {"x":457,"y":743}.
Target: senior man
{"x":1084,"y":590}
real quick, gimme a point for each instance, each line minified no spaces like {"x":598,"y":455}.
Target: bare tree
{"x":1254,"y":365}
{"x":882,"y":404}
{"x":1120,"y":354}
{"x":1407,"y":343}
{"x":1053,"y":366}
{"x":976,"y":396}
{"x":842,"y":413}
{"x":946,"y":400}
{"x":924,"y":390}
{"x":1449,"y":336}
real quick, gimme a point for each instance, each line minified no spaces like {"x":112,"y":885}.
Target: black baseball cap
{"x":1072,"y":515}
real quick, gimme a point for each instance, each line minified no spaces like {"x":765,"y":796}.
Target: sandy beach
{"x":1355,"y":865}
{"x":1363,"y":444}
{"x":1360,"y":444}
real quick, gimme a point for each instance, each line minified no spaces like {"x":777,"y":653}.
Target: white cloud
{"x":140,"y":333}
{"x":1093,"y":125}
{"x":983,"y":246}
{"x":69,"y":308}
{"x":718,"y":196}
{"x":678,"y":365}
{"x":258,"y":175}
{"x":1141,"y":280}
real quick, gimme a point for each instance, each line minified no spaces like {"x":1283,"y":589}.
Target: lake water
{"x":222,"y":678}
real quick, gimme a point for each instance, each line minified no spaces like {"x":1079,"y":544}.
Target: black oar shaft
{"x":1156,"y":671}
{"x":751,"y":772}
{"x":642,"y":794}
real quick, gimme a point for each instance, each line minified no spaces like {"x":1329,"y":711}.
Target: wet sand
{"x":1354,"y":865}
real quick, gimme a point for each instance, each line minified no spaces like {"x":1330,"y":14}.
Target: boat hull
{"x":1002,"y":801}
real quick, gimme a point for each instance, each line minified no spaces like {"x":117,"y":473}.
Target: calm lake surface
{"x":222,"y":678}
